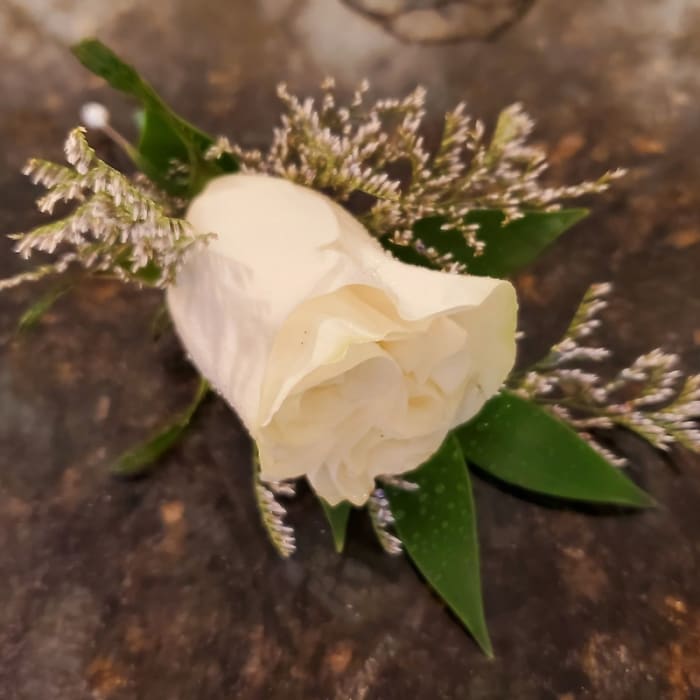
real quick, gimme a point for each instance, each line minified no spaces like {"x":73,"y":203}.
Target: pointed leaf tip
{"x":519,"y":442}
{"x":437,"y":526}
{"x":337,"y":517}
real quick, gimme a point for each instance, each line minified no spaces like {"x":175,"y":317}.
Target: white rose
{"x":344,"y":363}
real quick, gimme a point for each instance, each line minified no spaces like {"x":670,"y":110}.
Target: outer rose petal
{"x":343,"y":363}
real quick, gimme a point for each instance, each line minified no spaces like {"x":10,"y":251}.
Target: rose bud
{"x":343,"y":363}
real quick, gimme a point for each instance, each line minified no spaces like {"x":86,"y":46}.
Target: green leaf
{"x":165,"y":136}
{"x":38,"y":309}
{"x":520,"y":443}
{"x":337,"y":517}
{"x":149,"y":274}
{"x":160,"y":146}
{"x":139,"y":459}
{"x":509,"y":247}
{"x":437,"y":526}
{"x":515,"y":245}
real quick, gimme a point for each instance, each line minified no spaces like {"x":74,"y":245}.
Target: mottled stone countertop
{"x":166,"y":588}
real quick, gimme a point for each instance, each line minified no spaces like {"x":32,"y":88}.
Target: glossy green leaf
{"x":160,"y":146}
{"x":165,"y":137}
{"x":437,"y":526}
{"x":337,"y":517}
{"x":39,"y":308}
{"x":520,"y":443}
{"x":519,"y":243}
{"x":509,"y":247}
{"x":141,"y":458}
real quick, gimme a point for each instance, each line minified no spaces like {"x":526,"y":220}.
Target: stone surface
{"x":166,"y":587}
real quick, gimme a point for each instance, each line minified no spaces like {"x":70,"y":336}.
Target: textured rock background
{"x":166,"y":587}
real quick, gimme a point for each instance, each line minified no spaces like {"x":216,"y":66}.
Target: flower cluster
{"x":380,"y":152}
{"x":650,"y":397}
{"x":119,"y":227}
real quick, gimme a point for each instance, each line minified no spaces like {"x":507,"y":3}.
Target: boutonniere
{"x":346,"y":293}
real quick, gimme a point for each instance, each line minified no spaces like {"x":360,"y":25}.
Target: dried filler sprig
{"x":650,"y":397}
{"x":118,"y":227}
{"x":273,"y":513}
{"x":382,"y":520}
{"x":380,"y":151}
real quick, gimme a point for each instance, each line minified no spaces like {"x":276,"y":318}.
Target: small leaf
{"x":41,"y":306}
{"x":509,"y":247}
{"x":161,"y":146}
{"x":520,"y":443}
{"x":437,"y":526}
{"x":165,"y":137}
{"x":337,"y":517}
{"x":139,"y":459}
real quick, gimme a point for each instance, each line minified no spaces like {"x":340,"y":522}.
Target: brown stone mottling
{"x":567,"y":147}
{"x":585,"y":578}
{"x":609,"y":665}
{"x":105,"y":678}
{"x":171,"y":513}
{"x":339,"y":657}
{"x":684,"y":238}
{"x":681,"y":656}
{"x":165,"y":587}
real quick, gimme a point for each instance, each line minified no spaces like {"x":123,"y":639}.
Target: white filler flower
{"x":344,"y":363}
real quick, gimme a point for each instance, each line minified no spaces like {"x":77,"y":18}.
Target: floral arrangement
{"x":346,"y":294}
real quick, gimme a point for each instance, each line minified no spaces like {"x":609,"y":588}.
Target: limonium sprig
{"x":119,"y":226}
{"x":382,"y":519}
{"x":272,"y":513}
{"x":650,"y":397}
{"x":380,"y":151}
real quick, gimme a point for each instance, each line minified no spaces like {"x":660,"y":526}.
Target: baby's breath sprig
{"x":649,"y":397}
{"x":380,"y":151}
{"x":118,"y":227}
